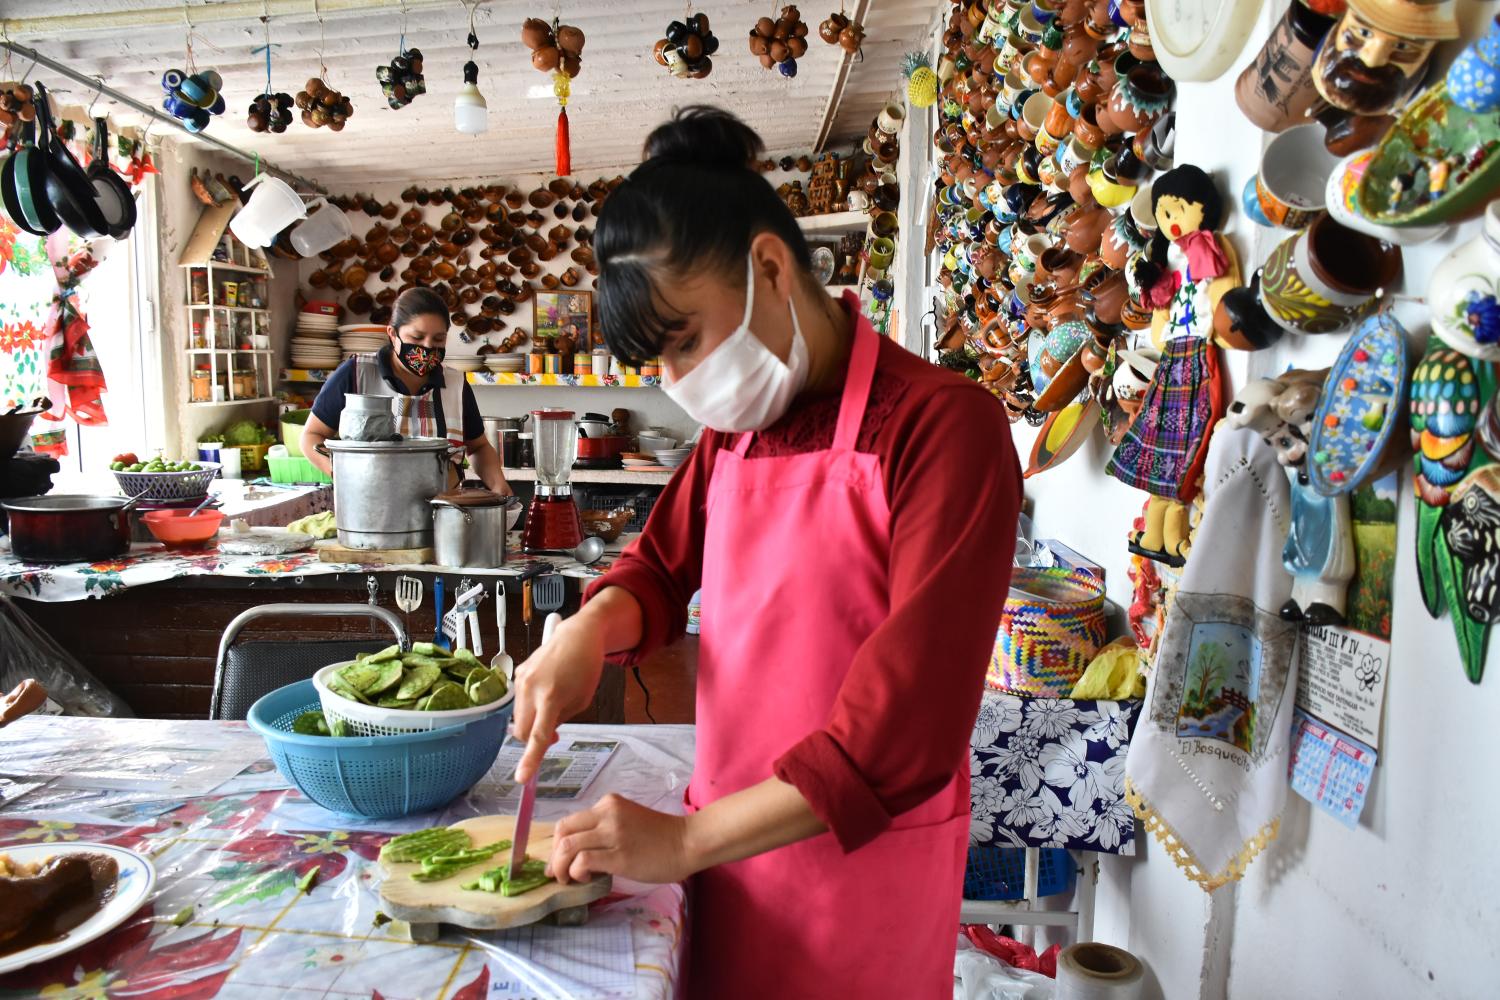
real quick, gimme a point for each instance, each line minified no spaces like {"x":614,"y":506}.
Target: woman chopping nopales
{"x":427,"y":400}
{"x":849,"y":516}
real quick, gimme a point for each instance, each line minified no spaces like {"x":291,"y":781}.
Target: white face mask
{"x":742,"y":385}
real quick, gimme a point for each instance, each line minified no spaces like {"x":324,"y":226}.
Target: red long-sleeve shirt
{"x":900,"y":727}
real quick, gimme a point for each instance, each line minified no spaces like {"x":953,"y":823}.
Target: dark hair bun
{"x":705,"y":136}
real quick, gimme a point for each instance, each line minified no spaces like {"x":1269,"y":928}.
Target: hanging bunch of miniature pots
{"x":687,"y":48}
{"x":16,"y":104}
{"x":780,"y":43}
{"x":557,"y":49}
{"x":270,"y":112}
{"x":401,"y":79}
{"x":322,"y":105}
{"x":192,"y":98}
{"x":838,"y":29}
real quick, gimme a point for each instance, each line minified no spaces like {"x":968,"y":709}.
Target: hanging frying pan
{"x":110,"y":190}
{"x":68,"y":187}
{"x":25,"y":187}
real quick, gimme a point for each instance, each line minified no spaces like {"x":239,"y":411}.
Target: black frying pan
{"x":111,"y":193}
{"x":25,"y":187}
{"x":68,"y":186}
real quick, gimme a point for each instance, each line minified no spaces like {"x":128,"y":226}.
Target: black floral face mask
{"x":420,"y":361}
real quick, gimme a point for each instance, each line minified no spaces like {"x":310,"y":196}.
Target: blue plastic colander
{"x":378,"y":777}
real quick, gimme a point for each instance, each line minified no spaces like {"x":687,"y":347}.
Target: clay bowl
{"x":386,"y":296}
{"x":490,"y":304}
{"x":377,"y":235}
{"x":421,"y":232}
{"x":387,"y":253}
{"x":468,"y":296}
{"x":422,"y":267}
{"x":462,"y":237}
{"x":409,"y":249}
{"x":411,"y":217}
{"x":530,"y":269}
{"x":514,"y":199}
{"x":399,"y":235}
{"x":535,"y":220}
{"x":536,"y":242}
{"x":559,"y":235}
{"x":389,"y":210}
{"x":507,"y":307}
{"x":479,"y":326}
{"x":487,"y":269}
{"x":486,"y":284}
{"x":560,"y":210}
{"x":355,"y":277}
{"x":519,"y":256}
{"x":464,"y":199}
{"x":318,"y":279}
{"x":449,"y":250}
{"x":582,"y":255}
{"x":494,"y":212}
{"x":451,"y":221}
{"x":469,"y":276}
{"x":580,"y":212}
{"x":444,"y":269}
{"x":548,"y":254}
{"x":360,"y":303}
{"x":504,"y":269}
{"x":559,"y":187}
{"x":380,"y":314}
{"x":540,"y":198}
{"x":570,"y":277}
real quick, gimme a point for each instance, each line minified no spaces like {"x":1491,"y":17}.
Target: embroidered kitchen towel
{"x":1049,"y":772}
{"x":1206,"y":770}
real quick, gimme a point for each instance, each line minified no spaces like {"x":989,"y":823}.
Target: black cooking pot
{"x":60,"y":529}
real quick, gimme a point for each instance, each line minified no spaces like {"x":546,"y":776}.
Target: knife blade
{"x":522,"y":833}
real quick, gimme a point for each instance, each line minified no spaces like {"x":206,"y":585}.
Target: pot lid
{"x":63,"y":503}
{"x":472,"y":496}
{"x":414,"y":444}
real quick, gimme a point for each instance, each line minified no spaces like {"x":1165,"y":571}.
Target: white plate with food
{"x":56,"y":897}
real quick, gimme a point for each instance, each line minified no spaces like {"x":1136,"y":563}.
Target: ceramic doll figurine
{"x":1376,"y":56}
{"x":1319,"y":549}
{"x":1183,"y":273}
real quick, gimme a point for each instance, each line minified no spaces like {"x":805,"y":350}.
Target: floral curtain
{"x":45,"y":351}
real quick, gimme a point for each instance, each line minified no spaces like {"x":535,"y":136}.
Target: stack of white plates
{"x":362,"y":338}
{"x":313,"y":325}
{"x":464,"y":364}
{"x":639,"y":463}
{"x":312,"y":352}
{"x":505,"y":362}
{"x":673,"y":457}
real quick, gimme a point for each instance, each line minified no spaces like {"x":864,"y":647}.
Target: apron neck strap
{"x":857,"y":384}
{"x":856,"y":396}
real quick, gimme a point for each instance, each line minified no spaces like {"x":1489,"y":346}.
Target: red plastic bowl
{"x":182,"y":529}
{"x":323,"y":307}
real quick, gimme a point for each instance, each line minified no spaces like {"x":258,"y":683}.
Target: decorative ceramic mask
{"x":1375,"y":57}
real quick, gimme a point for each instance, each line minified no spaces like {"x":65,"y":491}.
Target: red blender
{"x":552,"y":521}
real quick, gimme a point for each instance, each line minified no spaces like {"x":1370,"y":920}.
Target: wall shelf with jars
{"x":230,"y":360}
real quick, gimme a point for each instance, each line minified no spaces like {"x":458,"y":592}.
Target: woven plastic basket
{"x":995,"y":872}
{"x":379,"y":777}
{"x":1051,"y":627}
{"x":371,"y":720}
{"x":169,"y":485}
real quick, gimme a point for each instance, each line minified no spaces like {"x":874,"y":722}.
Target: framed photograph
{"x":564,"y":313}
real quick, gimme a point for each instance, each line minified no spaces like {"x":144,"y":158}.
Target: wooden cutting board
{"x":332,"y":552}
{"x":425,"y":905}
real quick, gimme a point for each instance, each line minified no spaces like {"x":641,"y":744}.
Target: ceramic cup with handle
{"x":1293,"y":177}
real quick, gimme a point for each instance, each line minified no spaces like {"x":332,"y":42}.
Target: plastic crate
{"x":296,"y":470}
{"x":606,"y":497}
{"x":995,"y":872}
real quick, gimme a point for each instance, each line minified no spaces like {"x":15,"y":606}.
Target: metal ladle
{"x":589,"y":551}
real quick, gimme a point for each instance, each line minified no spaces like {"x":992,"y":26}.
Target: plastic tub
{"x":296,"y":469}
{"x":292,"y":423}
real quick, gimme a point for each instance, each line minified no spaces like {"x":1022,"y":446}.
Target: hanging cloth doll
{"x":1187,"y":267}
{"x":75,"y":381}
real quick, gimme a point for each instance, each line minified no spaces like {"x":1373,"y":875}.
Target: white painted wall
{"x":1407,"y":904}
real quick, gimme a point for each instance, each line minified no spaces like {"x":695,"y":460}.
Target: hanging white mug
{"x":890,"y":118}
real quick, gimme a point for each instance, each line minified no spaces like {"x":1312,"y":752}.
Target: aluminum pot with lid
{"x":381,"y":489}
{"x":469,"y":527}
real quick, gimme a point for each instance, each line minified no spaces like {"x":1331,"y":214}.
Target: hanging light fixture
{"x":471,"y":112}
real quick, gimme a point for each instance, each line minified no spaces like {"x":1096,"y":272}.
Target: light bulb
{"x":471,"y":113}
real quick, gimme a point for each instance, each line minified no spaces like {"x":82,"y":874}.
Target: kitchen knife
{"x":528,"y":791}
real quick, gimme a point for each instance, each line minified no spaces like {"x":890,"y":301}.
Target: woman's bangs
{"x":631,"y":313}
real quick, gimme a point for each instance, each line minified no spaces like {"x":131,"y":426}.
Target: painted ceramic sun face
{"x":1366,"y":71}
{"x":1177,"y":217}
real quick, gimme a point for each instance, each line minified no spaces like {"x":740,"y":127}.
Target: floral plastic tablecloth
{"x":228,"y":918}
{"x":152,"y":563}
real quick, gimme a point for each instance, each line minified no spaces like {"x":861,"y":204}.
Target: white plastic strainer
{"x":371,"y":720}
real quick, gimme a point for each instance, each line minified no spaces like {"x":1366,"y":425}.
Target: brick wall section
{"x":155,"y":645}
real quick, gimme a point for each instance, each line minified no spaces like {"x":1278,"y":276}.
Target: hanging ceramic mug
{"x":882,"y":252}
{"x":1276,"y":90}
{"x":1293,"y":177}
{"x":1326,"y":278}
{"x":1033,"y":114}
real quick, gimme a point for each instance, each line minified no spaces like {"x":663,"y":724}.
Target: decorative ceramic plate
{"x":133,"y":887}
{"x":1432,"y":136}
{"x":822,"y":262}
{"x":1199,"y":39}
{"x":1362,"y":404}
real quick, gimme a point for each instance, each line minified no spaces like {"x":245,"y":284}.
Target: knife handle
{"x":527,"y":607}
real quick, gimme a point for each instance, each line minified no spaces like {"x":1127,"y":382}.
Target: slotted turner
{"x":548,"y":592}
{"x":408,"y":596}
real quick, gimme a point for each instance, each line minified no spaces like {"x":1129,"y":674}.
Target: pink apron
{"x":794,"y":580}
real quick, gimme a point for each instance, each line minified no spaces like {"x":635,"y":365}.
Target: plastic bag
{"x":27,"y":651}
{"x":978,"y":975}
